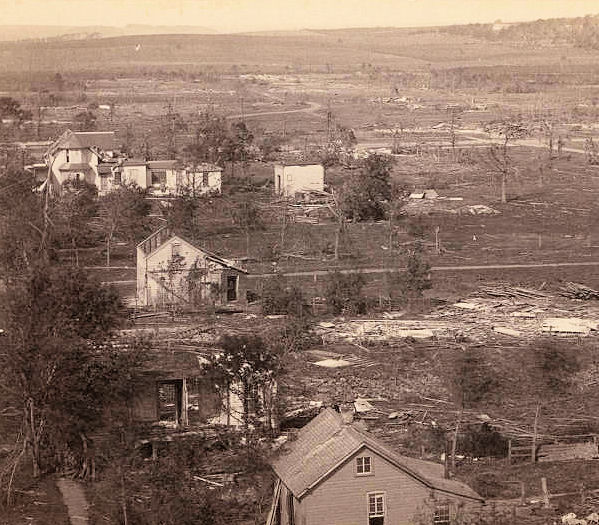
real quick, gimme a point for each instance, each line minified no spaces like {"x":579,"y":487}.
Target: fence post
{"x":509,"y":452}
{"x":545,"y":492}
{"x":533,"y":453}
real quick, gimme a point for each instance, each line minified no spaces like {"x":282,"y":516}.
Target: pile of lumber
{"x":512,"y":292}
{"x":578,"y":291}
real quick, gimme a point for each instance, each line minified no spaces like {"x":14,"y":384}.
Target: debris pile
{"x":578,"y":291}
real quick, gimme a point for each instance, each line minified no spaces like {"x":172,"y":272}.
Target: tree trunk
{"x":34,"y":441}
{"x":454,"y":442}
{"x":503,"y":188}
{"x":108,"y":240}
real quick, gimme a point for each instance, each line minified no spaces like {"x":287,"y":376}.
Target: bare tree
{"x":500,"y":159}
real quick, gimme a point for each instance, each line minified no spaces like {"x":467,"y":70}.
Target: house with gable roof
{"x":336,"y":473}
{"x":88,"y":156}
{"x":171,"y":270}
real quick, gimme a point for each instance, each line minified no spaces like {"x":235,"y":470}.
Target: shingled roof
{"x":327,"y":442}
{"x":102,"y":140}
{"x":164,"y":235}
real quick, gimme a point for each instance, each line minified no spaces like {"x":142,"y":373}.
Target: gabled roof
{"x":102,"y":140}
{"x":326,"y":443}
{"x":165,"y":235}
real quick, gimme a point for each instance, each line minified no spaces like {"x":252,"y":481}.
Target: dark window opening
{"x":205,"y":178}
{"x":290,"y":509}
{"x":170,"y":400}
{"x":231,"y":287}
{"x":158,"y":177}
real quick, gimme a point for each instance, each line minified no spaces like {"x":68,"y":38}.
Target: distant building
{"x":88,"y":156}
{"x":335,"y":473}
{"x":291,"y":179}
{"x":202,"y":179}
{"x":171,"y":270}
{"x":135,"y":171}
{"x":166,"y":177}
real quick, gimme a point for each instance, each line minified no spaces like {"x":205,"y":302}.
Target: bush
{"x":280,"y":298}
{"x":555,"y":365}
{"x":344,"y":295}
{"x":483,"y":441}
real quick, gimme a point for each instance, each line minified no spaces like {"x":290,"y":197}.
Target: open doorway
{"x":170,"y":401}
{"x":232,"y":282}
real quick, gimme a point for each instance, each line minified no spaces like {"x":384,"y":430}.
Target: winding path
{"x":75,"y":500}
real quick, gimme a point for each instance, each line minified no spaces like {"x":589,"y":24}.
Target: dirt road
{"x":433,"y":268}
{"x":311,"y":108}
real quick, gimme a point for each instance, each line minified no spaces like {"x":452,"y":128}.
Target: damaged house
{"x":336,"y":473}
{"x":291,"y":179}
{"x":88,"y":156}
{"x":171,"y":270}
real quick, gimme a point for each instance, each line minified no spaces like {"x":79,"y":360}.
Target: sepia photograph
{"x":299,"y":262}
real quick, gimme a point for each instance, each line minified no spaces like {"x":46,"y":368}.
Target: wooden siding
{"x":342,"y":498}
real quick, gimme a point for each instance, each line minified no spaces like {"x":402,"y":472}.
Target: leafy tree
{"x":247,"y":215}
{"x":344,"y":295}
{"x":21,"y":223}
{"x":415,"y":280}
{"x":500,"y":160}
{"x":124,"y":213}
{"x":365,"y":194}
{"x":11,"y":109}
{"x":86,"y":121}
{"x":73,"y":212}
{"x":208,"y":142}
{"x":56,"y":364}
{"x":237,"y":146}
{"x":247,"y":366}
{"x":472,"y":381}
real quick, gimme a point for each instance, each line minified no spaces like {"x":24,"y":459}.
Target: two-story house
{"x":336,"y":473}
{"x":88,"y":156}
{"x":171,"y":270}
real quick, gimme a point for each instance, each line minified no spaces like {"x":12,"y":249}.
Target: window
{"x":364,"y":465}
{"x":376,"y":508}
{"x":206,"y":178}
{"x":175,"y":249}
{"x":442,"y":515}
{"x":67,"y":156}
{"x":158,"y":177}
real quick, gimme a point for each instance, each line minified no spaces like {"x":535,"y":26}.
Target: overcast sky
{"x":256,"y":15}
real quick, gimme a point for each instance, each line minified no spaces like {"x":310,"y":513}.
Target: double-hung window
{"x":363,"y":465}
{"x":442,"y":515}
{"x":376,"y":508}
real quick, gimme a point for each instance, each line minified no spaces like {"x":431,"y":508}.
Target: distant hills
{"x":35,"y":32}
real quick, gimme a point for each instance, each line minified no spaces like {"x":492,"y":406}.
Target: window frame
{"x":369,"y":472}
{"x":383,"y":499}
{"x":442,"y":514}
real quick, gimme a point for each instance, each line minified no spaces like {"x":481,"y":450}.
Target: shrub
{"x":344,"y":295}
{"x":280,"y":298}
